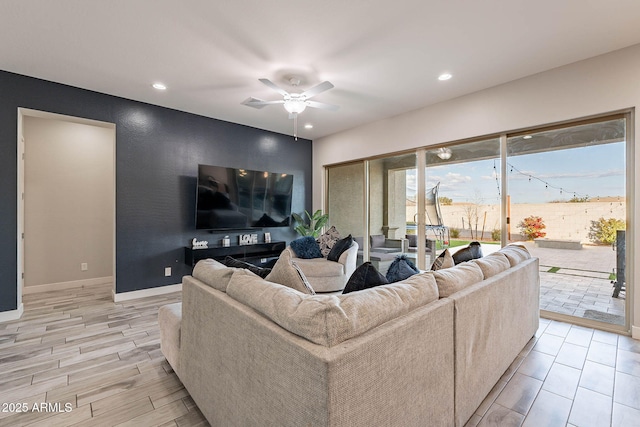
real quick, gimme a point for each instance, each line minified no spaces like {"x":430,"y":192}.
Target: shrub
{"x":496,"y":235}
{"x":603,"y":231}
{"x":454,"y":232}
{"x":531,"y":227}
{"x":445,"y":201}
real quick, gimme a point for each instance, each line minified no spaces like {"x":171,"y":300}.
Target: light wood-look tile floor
{"x":98,"y":360}
{"x":103,"y":359}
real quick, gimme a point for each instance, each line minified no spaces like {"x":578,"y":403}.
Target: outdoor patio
{"x":578,"y":283}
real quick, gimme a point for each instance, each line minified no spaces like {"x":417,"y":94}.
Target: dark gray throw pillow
{"x":473,"y":251}
{"x":366,"y":276}
{"x":339,"y":247}
{"x":306,"y":247}
{"x":232,"y":262}
{"x":401,"y":268}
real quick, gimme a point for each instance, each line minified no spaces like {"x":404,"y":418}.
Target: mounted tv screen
{"x":230,"y":198}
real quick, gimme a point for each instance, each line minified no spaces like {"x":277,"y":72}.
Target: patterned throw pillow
{"x":401,"y":268}
{"x":366,"y":276}
{"x":306,"y":247}
{"x":327,"y":240}
{"x":444,"y":260}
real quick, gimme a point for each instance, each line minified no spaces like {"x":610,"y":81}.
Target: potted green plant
{"x":316,"y":222}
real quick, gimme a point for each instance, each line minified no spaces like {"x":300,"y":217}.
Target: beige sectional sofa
{"x":424,"y":351}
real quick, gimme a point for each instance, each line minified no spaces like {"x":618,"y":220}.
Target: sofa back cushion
{"x":492,"y":264}
{"x":454,"y":279}
{"x":331,"y":319}
{"x":213,"y":273}
{"x":377,"y":240}
{"x":515,"y":253}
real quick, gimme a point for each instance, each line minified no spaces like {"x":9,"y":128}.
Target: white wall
{"x":69,"y":201}
{"x":592,"y":87}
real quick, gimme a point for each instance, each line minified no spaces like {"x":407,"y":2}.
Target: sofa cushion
{"x":213,"y":273}
{"x":320,"y":267}
{"x":364,"y":277}
{"x":515,"y":253}
{"x":232,"y":262}
{"x":401,"y":268}
{"x":492,"y":264}
{"x":444,"y":260}
{"x":377,"y":240}
{"x":331,"y":319}
{"x":472,"y":251}
{"x":327,"y":240}
{"x":452,"y":280}
{"x":413,"y":240}
{"x":306,"y":247}
{"x":339,"y":247}
{"x":169,"y":321}
{"x":287,"y":273}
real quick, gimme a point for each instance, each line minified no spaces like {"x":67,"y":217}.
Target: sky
{"x":593,"y":171}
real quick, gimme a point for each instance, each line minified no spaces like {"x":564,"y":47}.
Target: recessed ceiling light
{"x":444,"y":76}
{"x":308,"y":126}
{"x":159,"y":86}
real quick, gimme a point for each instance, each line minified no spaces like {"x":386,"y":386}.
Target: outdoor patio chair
{"x":433,"y":220}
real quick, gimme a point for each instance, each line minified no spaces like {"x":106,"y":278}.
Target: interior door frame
{"x":27,"y":112}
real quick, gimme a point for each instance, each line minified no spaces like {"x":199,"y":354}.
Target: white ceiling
{"x":383,"y":57}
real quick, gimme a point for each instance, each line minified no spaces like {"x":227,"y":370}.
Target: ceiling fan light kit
{"x":294,"y":103}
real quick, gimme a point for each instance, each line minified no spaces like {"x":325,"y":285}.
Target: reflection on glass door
{"x":567,"y":205}
{"x":345,"y":200}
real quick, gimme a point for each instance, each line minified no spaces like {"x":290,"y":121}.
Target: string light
{"x":547,"y":184}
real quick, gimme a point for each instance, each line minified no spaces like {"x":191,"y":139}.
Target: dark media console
{"x":258,"y":254}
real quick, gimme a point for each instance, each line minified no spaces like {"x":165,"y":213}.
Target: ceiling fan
{"x":294,"y":103}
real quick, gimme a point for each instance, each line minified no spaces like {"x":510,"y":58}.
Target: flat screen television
{"x":229,"y":198}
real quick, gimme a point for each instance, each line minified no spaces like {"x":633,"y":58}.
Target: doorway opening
{"x":66,"y":202}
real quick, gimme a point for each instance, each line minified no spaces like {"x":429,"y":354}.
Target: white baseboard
{"x":66,"y":285}
{"x":160,"y":290}
{"x":7,"y":316}
{"x":635,"y":332}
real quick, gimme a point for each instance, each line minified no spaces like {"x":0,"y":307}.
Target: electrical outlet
{"x":84,"y":266}
{"x":167,"y":271}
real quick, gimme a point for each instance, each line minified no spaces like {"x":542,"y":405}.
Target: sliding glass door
{"x":561,"y":191}
{"x":567,"y":203}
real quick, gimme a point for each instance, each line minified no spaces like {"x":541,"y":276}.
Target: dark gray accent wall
{"x":157,"y":153}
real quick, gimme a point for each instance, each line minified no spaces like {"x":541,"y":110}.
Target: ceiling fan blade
{"x":317,"y":89}
{"x":322,"y":105}
{"x":259,"y":103}
{"x":274,"y":87}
